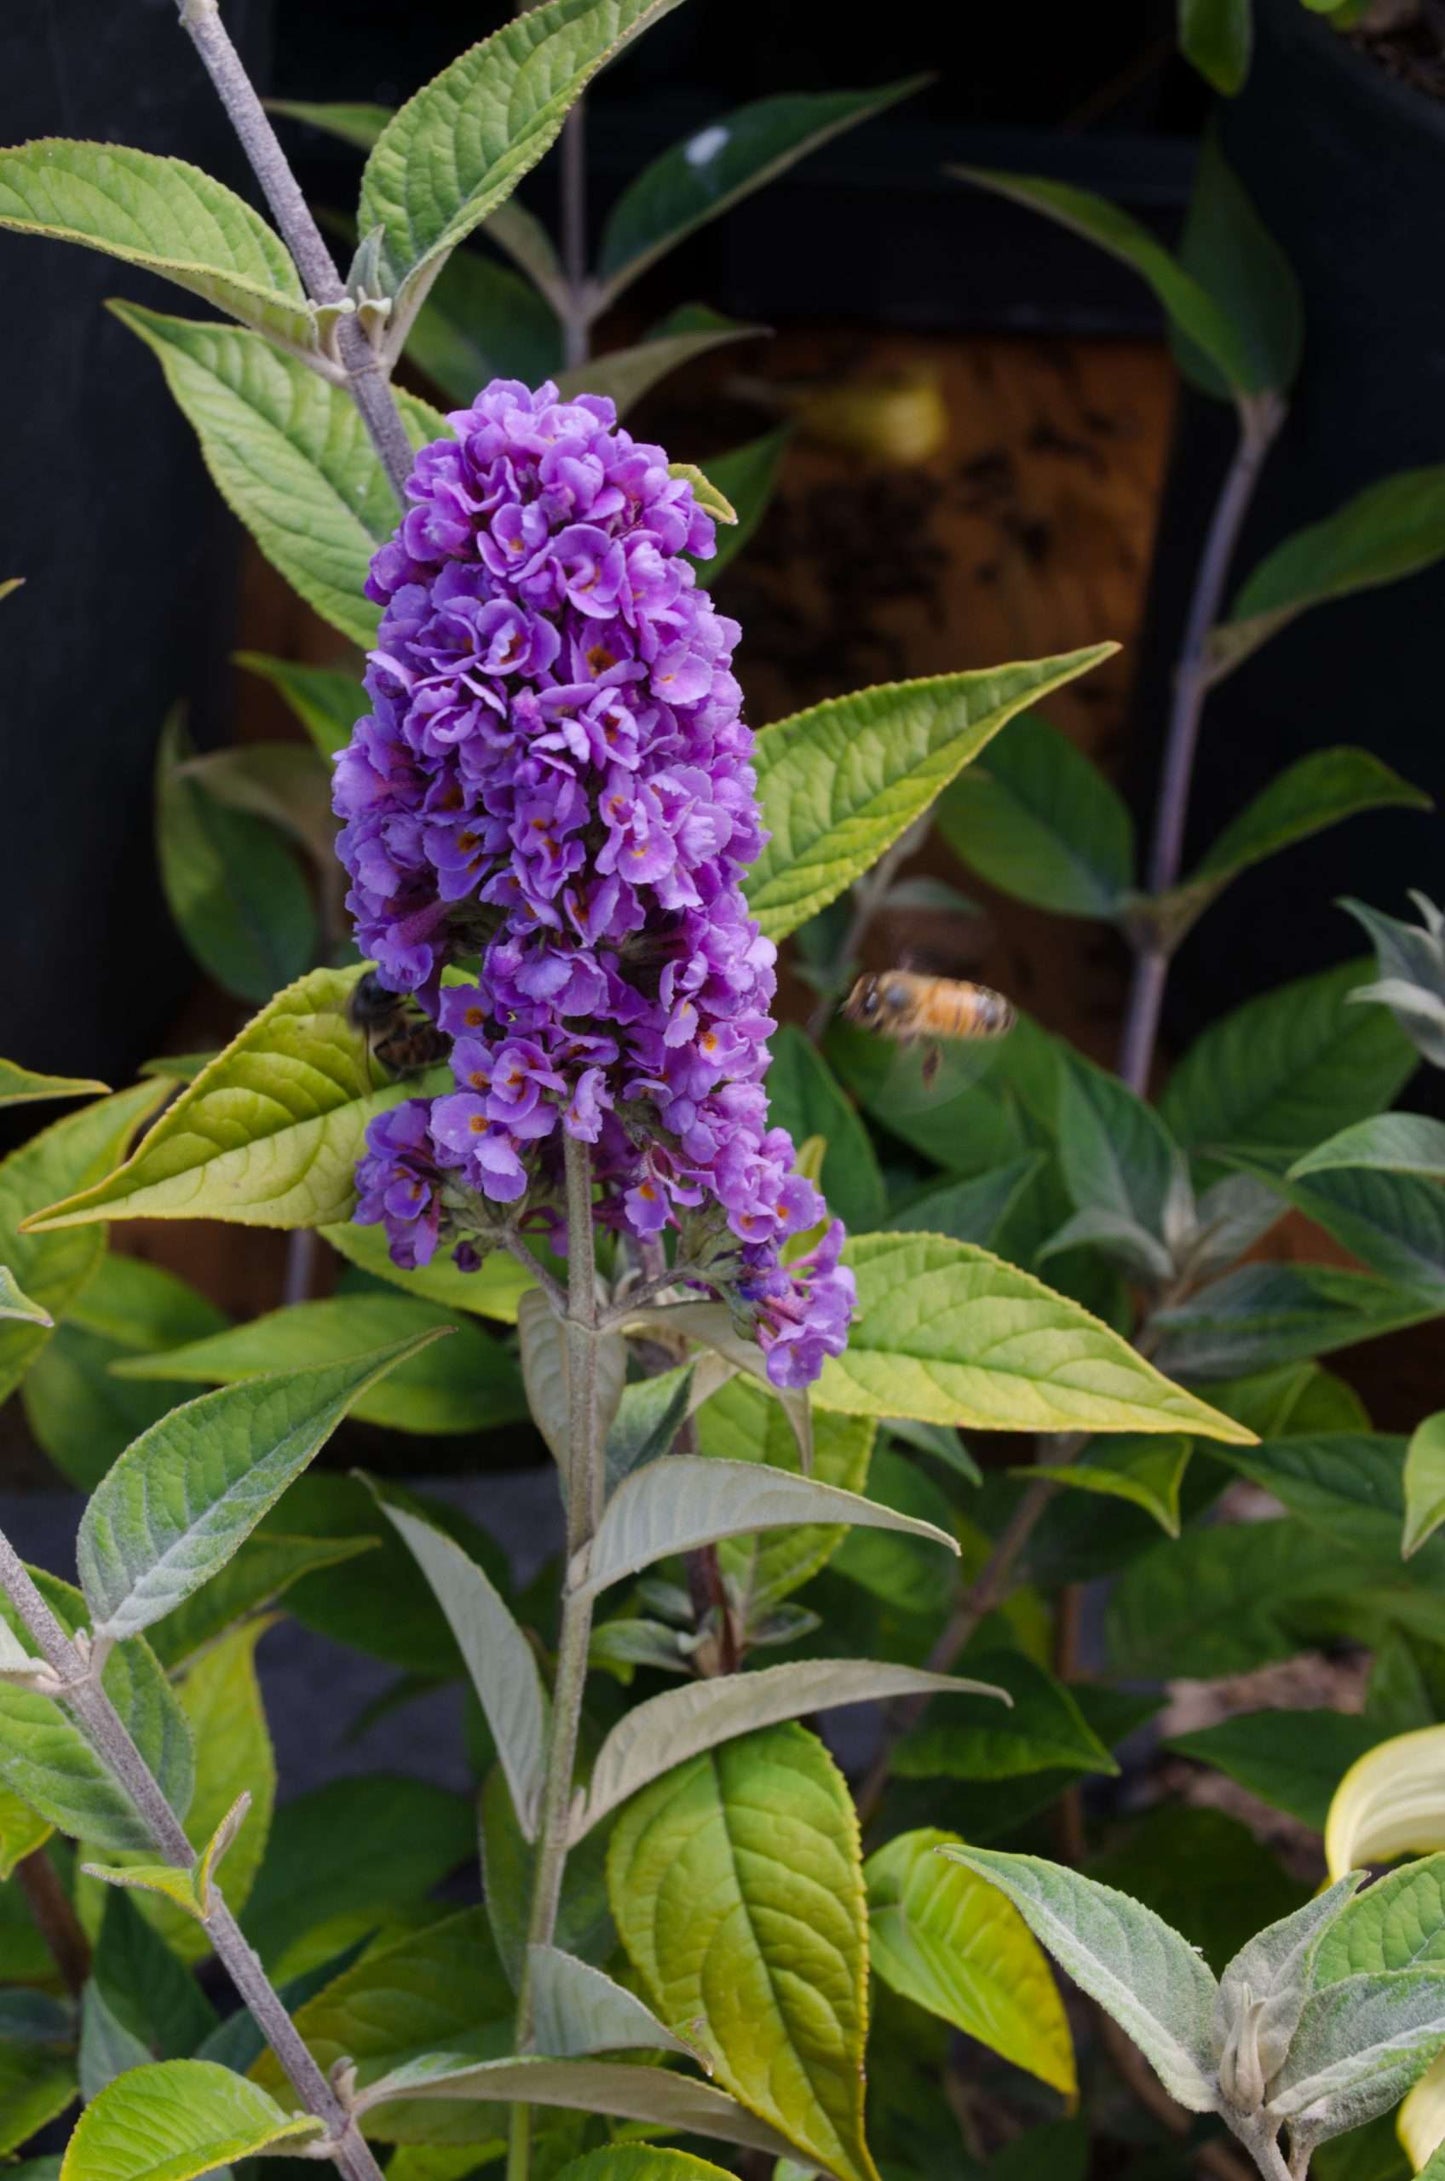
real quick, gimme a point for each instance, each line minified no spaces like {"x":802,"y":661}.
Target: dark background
{"x":130,"y":561}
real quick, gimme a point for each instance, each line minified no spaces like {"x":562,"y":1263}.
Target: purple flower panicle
{"x":552,"y":792}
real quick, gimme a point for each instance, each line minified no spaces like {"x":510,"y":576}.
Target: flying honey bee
{"x":917,"y":1010}
{"x":397,"y":1033}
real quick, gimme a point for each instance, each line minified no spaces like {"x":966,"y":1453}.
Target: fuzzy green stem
{"x":585,"y":1484}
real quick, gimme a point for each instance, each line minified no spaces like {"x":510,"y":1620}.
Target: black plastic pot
{"x":1347,"y":168}
{"x":127,"y":555}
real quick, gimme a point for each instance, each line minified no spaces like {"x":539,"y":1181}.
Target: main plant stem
{"x":109,"y":1737}
{"x":366,"y":379}
{"x":1260,"y":417}
{"x":585,"y":1484}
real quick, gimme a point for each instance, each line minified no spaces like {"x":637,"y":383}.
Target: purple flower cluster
{"x":553,"y":791}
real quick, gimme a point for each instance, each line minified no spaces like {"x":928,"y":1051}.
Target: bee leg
{"x":932,"y":1062}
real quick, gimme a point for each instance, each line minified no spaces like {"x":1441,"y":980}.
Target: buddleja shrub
{"x":573,"y":1174}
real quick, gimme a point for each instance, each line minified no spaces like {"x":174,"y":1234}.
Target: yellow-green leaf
{"x":176,"y":2120}
{"x":946,"y":1939}
{"x":709,"y":499}
{"x":20,"y":1086}
{"x":1424,"y":1482}
{"x":458,"y":149}
{"x":737,"y":1887}
{"x":493,"y":1291}
{"x":949,"y":1334}
{"x":269,"y":1132}
{"x":22,"y":1831}
{"x":164,"y":215}
{"x":289,"y":455}
{"x":839,"y":782}
{"x":51,"y":1269}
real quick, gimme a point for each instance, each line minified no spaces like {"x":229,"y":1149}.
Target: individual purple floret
{"x":553,"y":791}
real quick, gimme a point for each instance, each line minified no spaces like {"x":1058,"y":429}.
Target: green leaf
{"x":1262,"y":1315}
{"x":467,"y":1382}
{"x":1115,"y":1153}
{"x":190,"y":1891}
{"x":1227,"y":248}
{"x":352,"y":122}
{"x":50,"y":1765}
{"x":1360,"y":2045}
{"x":166,"y":217}
{"x":901,"y":1571}
{"x":746,"y":476}
{"x":22,"y":1831}
{"x":1043,"y":1730}
{"x":340,"y":1601}
{"x":22,"y":1086}
{"x":1288,"y":1068}
{"x":289,"y":454}
{"x":950,"y":1942}
{"x":741,"y":1424}
{"x":1220,"y":1600}
{"x":481,"y":322}
{"x":493,"y":1291}
{"x":584,"y":1920}
{"x":145,"y":1986}
{"x":457,"y":149}
{"x":1392,"y":529}
{"x":1146,"y":1471}
{"x":624,"y":375}
{"x":268,"y":1135}
{"x":1040,"y":822}
{"x":1349,"y":1482}
{"x":107,"y":2047}
{"x":1396,"y":1923}
{"x":1124,"y":1956}
{"x":1293,"y":1760}
{"x":327,"y":701}
{"x":655,"y":2096}
{"x":182,"y":1499}
{"x":1411,"y":983}
{"x":695,"y":181}
{"x":1159,"y":1858}
{"x":1192,"y":310}
{"x":1292,"y":1397}
{"x":1424,"y":1483}
{"x":691,"y":1500}
{"x":235,"y":1771}
{"x":805,"y":1098}
{"x":73,"y":1153}
{"x":577,"y":2009}
{"x":37,"y":2083}
{"x":949,"y":1334}
{"x":664,"y":1732}
{"x":438,"y":1989}
{"x":839,"y":783}
{"x":285,"y":784}
{"x":403,"y":1837}
{"x":638,"y":2162}
{"x":1389,"y":1143}
{"x":1395,"y":1223}
{"x":231,"y":884}
{"x":736,"y":1885}
{"x":970,"y":1211}
{"x":262,"y":1571}
{"x":175,"y":2120}
{"x":1308,"y":796}
{"x":1216,"y":35}
{"x":498,"y":1656}
{"x":15,"y":1303}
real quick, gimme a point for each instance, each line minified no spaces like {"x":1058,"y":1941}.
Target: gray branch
{"x":108,"y":1736}
{"x":366,"y":379}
